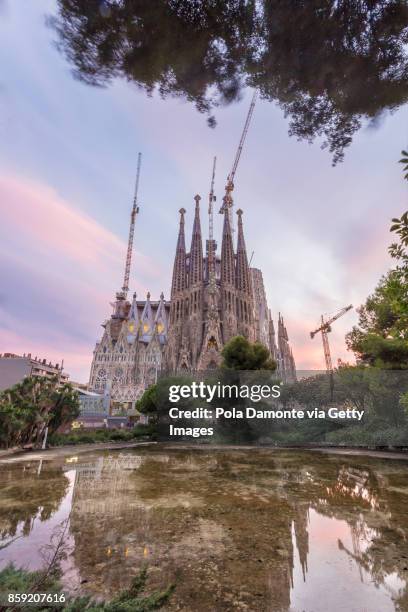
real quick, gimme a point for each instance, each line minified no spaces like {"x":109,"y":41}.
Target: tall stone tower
{"x":243,"y":285}
{"x":203,"y":299}
{"x":216,"y":297}
{"x":286,"y":361}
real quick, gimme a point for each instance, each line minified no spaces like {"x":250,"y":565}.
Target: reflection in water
{"x":29,"y":494}
{"x":237,"y":529}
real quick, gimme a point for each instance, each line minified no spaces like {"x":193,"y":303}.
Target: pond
{"x":235,"y":529}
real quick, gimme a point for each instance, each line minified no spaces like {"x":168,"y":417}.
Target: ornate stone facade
{"x":284,"y":358}
{"x":265,"y":330}
{"x":213,"y":299}
{"x":129,"y":356}
{"x":216,"y":298}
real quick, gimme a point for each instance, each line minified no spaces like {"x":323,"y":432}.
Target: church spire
{"x":196,"y":250}
{"x":242,"y":268}
{"x":227,"y":253}
{"x":133,"y":321}
{"x":179,"y":270}
{"x":146,"y":321}
{"x":160,"y":320}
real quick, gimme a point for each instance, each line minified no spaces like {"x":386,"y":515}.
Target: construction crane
{"x":229,"y":187}
{"x":325,"y":328}
{"x":134,"y":212}
{"x":211,"y":199}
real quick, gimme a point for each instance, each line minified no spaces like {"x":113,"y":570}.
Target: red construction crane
{"x":229,"y":187}
{"x":325,"y":328}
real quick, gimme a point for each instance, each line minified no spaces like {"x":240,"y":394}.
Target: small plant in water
{"x":15,"y":580}
{"x":18,"y":580}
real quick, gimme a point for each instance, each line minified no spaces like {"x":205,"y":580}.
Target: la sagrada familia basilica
{"x":214,"y":297}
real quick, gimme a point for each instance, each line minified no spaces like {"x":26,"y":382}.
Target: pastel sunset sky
{"x":68,"y":155}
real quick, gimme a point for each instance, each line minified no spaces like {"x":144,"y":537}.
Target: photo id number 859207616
{"x":36,"y":598}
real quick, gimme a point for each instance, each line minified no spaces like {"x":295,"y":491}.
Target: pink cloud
{"x":308,"y":352}
{"x":77,"y":359}
{"x":66,"y":267}
{"x":56,"y":226}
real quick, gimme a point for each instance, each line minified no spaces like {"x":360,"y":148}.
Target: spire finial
{"x":196,"y":249}
{"x":162,"y":296}
{"x":134,"y":295}
{"x":182,"y":212}
{"x":240,"y":212}
{"x":148,"y":295}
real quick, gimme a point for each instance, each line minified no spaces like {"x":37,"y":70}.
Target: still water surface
{"x":236,"y":529}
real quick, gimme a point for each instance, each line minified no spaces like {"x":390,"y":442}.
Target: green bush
{"x":373,"y":437}
{"x":100,"y":435}
{"x":134,"y":599}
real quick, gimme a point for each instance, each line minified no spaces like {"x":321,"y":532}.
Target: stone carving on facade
{"x":213,"y":298}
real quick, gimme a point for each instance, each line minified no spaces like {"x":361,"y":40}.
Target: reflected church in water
{"x":233,"y":529}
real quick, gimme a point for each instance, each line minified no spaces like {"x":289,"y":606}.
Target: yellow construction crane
{"x":325,"y":328}
{"x":229,"y":187}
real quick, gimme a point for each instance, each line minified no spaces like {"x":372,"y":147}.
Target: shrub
{"x":100,"y":435}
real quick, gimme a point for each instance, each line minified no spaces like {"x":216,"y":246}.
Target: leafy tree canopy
{"x":30,"y":406}
{"x":329,"y":64}
{"x":147,"y":404}
{"x":240,"y":354}
{"x":381,"y":337}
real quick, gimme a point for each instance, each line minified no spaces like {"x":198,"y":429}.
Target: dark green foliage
{"x":147,"y":404}
{"x":240,"y":354}
{"x":386,"y":352}
{"x":65,"y":408}
{"x":404,"y":161}
{"x":381,"y":337}
{"x":20,"y":580}
{"x":248,"y":363}
{"x":33,"y":404}
{"x":328,"y":64}
{"x":381,"y":393}
{"x":100,"y":435}
{"x":131,"y":600}
{"x":398,"y":250}
{"x":380,"y":341}
{"x":163,"y":419}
